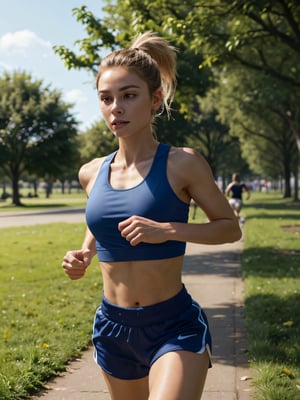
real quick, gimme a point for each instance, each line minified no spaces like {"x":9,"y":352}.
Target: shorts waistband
{"x":143,"y":316}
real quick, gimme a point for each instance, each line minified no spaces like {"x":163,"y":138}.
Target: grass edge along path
{"x":271,"y":267}
{"x":46,"y":319}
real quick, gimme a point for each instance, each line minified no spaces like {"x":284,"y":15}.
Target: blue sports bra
{"x":153,"y":198}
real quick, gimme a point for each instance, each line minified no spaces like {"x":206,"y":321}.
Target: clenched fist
{"x":76,"y":262}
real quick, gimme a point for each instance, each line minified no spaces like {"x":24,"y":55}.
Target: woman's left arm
{"x":191,"y":178}
{"x":196,"y":181}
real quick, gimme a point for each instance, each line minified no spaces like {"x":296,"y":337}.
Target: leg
{"x":178,"y":375}
{"x":123,"y":389}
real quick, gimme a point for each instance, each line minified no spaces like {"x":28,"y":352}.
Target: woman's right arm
{"x":75,"y":262}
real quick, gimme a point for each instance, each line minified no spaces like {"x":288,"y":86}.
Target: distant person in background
{"x":235,"y":191}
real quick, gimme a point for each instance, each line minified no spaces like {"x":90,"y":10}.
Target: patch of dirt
{"x":291,"y":228}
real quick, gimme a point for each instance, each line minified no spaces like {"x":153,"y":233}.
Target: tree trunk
{"x":70,"y":186}
{"x":296,"y":183}
{"x":49,"y":189}
{"x":16,"y":194}
{"x":296,"y":131}
{"x":287,"y":177}
{"x":35,"y":188}
{"x":296,"y":187}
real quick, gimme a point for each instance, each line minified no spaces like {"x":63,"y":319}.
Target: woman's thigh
{"x":178,"y":375}
{"x":127,"y":389}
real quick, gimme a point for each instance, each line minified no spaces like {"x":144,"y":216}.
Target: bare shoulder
{"x":88,"y":173}
{"x":188,"y":159}
{"x":185,"y":153}
{"x":189,"y":173}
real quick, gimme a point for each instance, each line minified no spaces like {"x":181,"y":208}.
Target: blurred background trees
{"x":238,"y":93}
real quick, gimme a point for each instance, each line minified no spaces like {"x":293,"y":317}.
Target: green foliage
{"x":37,"y":130}
{"x":258,"y":110}
{"x":99,"y":37}
{"x":257,"y":41}
{"x":46,"y":319}
{"x":211,"y":138}
{"x":271,"y":260}
{"x":97,"y":141}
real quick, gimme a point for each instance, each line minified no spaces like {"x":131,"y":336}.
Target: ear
{"x":157,"y":99}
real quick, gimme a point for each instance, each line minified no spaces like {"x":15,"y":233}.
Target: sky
{"x":29,"y":29}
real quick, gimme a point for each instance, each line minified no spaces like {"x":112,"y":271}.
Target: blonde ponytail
{"x":165,"y":56}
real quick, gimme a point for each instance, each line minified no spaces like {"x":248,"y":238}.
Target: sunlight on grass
{"x":271,"y":267}
{"x":46,"y":319}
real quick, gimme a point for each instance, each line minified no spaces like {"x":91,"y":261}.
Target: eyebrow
{"x":121,"y":88}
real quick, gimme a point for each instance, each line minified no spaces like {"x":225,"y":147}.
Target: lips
{"x":119,"y":123}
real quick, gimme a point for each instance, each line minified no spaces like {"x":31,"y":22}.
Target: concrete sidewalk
{"x":212,"y":275}
{"x":72,"y":215}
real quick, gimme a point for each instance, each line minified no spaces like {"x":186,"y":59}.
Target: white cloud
{"x":19,"y":41}
{"x":75,"y":96}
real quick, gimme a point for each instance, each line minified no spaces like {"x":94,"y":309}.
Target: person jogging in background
{"x":151,"y":339}
{"x":235,"y":191}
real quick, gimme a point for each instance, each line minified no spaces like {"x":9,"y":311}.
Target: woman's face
{"x":125,"y":102}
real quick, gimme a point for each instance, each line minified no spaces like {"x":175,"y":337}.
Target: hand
{"x":139,"y":229}
{"x":76,"y":262}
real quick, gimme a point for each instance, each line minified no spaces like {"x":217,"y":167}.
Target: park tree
{"x":262,"y":37}
{"x":210,"y":137}
{"x":254,"y":106}
{"x":37,"y":130}
{"x":96,"y":141}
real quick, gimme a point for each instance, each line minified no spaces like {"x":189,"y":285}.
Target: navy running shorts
{"x":127,"y":341}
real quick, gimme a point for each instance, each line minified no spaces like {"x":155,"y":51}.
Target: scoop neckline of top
{"x":142,"y":181}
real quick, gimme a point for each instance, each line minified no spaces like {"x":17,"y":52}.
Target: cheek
{"x":104,"y":110}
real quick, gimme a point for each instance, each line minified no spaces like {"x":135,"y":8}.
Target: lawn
{"x":271,"y":270}
{"x":46,"y":318}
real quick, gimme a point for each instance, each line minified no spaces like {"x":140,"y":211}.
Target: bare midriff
{"x":141,"y":283}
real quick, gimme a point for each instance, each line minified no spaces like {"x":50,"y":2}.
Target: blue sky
{"x":29,"y":29}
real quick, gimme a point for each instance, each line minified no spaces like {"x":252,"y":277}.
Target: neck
{"x":132,"y":154}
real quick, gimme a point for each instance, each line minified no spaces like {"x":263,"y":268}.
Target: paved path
{"x":212,"y":275}
{"x":72,"y":215}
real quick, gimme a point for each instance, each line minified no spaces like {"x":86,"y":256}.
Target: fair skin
{"x":127,"y":108}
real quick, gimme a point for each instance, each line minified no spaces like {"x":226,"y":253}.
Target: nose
{"x":117,"y":109}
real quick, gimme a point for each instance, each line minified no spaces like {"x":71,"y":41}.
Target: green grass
{"x":46,"y":319}
{"x":271,"y":269}
{"x":56,"y":200}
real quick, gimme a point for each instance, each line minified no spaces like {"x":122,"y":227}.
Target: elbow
{"x":235,"y":231}
{"x":236,"y":237}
